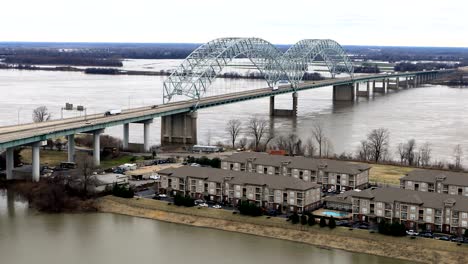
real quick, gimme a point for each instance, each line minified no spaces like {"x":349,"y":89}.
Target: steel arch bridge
{"x":196,"y":73}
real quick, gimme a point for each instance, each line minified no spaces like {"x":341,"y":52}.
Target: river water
{"x":434,"y":114}
{"x":29,"y":237}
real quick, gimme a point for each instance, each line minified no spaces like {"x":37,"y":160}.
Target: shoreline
{"x":356,"y":241}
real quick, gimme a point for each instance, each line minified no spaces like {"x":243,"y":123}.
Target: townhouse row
{"x":283,"y":194}
{"x":445,"y":182}
{"x":331,"y":174}
{"x":418,"y":210}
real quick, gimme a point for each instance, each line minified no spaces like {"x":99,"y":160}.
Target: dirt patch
{"x":420,"y":250}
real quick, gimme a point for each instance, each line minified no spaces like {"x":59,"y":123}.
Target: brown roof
{"x":238,"y":177}
{"x":447,"y":177}
{"x":299,"y":162}
{"x":425,"y":199}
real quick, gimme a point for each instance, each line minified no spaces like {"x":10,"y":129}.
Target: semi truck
{"x":113,"y":112}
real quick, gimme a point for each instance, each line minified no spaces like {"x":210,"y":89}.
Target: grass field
{"x":54,"y":158}
{"x":387,"y":174}
{"x":356,"y":240}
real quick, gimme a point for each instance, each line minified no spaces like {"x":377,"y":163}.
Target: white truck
{"x":113,"y":112}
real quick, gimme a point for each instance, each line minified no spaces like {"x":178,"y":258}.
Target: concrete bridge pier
{"x":284,"y":112}
{"x":365,"y":93}
{"x":344,"y":92}
{"x":71,"y":148}
{"x":126,"y":135}
{"x":146,"y":134}
{"x":10,"y":163}
{"x":36,"y":161}
{"x":383,"y":89}
{"x":97,"y":146}
{"x":179,"y":129}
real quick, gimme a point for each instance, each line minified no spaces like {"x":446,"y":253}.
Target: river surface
{"x":434,"y":114}
{"x":29,"y":237}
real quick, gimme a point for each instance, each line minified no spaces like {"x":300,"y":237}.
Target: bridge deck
{"x":11,"y":136}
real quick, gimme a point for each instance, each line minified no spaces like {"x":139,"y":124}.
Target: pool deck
{"x":320,"y":212}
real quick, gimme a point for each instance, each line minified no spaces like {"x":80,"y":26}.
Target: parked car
{"x":412,"y":233}
{"x":203,"y":205}
{"x":426,"y":234}
{"x":217,"y":206}
{"x":155,"y":177}
{"x":162,"y":195}
{"x":199,"y":201}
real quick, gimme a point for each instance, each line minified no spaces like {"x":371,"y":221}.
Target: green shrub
{"x":331,"y":223}
{"x":303,"y":219}
{"x":247,"y":208}
{"x":322,"y":222}
{"x":294,"y":218}
{"x":181,"y":200}
{"x":123,"y":191}
{"x":311,"y":220}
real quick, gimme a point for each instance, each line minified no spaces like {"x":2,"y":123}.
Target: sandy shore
{"x":360,"y":241}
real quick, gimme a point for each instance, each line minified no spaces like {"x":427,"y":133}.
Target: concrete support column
{"x":146,"y":135}
{"x":126,"y":135}
{"x":10,"y":163}
{"x":272,"y":105}
{"x":36,"y":161}
{"x":344,"y":92}
{"x":179,"y":129}
{"x":295,"y":95}
{"x":71,"y":148}
{"x":415,"y":81}
{"x":406,"y":82}
{"x":97,"y":147}
{"x":388,"y":84}
{"x":368,"y":89}
{"x":397,"y":82}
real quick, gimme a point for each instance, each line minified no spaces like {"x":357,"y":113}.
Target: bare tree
{"x":233,"y":128}
{"x":458,"y":156}
{"x":294,"y":145}
{"x":378,"y":141}
{"x":41,"y":114}
{"x":310,"y":148}
{"x":243,"y":142}
{"x":59,"y":144}
{"x":84,"y":174}
{"x":327,"y":147}
{"x":401,"y":151}
{"x":258,"y":129}
{"x":410,"y":148}
{"x":319,"y":135}
{"x":364,"y":151}
{"x":281,"y":142}
{"x":425,"y":154}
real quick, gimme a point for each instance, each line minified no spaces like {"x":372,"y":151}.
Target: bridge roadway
{"x":18,"y":135}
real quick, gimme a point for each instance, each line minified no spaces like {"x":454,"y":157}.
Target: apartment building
{"x":417,"y":210}
{"x":446,"y":182}
{"x":279,"y":193}
{"x":331,"y":174}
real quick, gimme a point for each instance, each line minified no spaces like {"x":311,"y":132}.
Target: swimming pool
{"x":334,"y":214}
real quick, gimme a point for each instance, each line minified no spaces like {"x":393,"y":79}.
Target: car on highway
{"x":113,"y":112}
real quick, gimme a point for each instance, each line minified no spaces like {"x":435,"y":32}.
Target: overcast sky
{"x":360,"y":22}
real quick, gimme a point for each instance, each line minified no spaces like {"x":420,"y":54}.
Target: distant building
{"x":331,"y":174}
{"x":416,"y":210}
{"x":446,"y":182}
{"x":283,"y":194}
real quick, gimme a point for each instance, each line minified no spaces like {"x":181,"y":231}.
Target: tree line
{"x":256,"y":135}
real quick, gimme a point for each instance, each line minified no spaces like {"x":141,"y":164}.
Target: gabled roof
{"x":447,"y":177}
{"x":298,"y":162}
{"x":425,"y":199}
{"x":239,"y":177}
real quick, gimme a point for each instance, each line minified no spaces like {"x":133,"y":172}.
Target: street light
{"x":19,"y":110}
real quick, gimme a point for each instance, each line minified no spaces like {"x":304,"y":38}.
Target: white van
{"x":113,"y":112}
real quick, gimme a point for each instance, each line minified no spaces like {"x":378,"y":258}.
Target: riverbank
{"x":360,"y":241}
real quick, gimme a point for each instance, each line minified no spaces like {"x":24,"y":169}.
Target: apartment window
{"x":428,"y":219}
{"x":428,"y":211}
{"x":460,"y":191}
{"x":265,"y":170}
{"x":231,"y":166}
{"x":464,"y":215}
